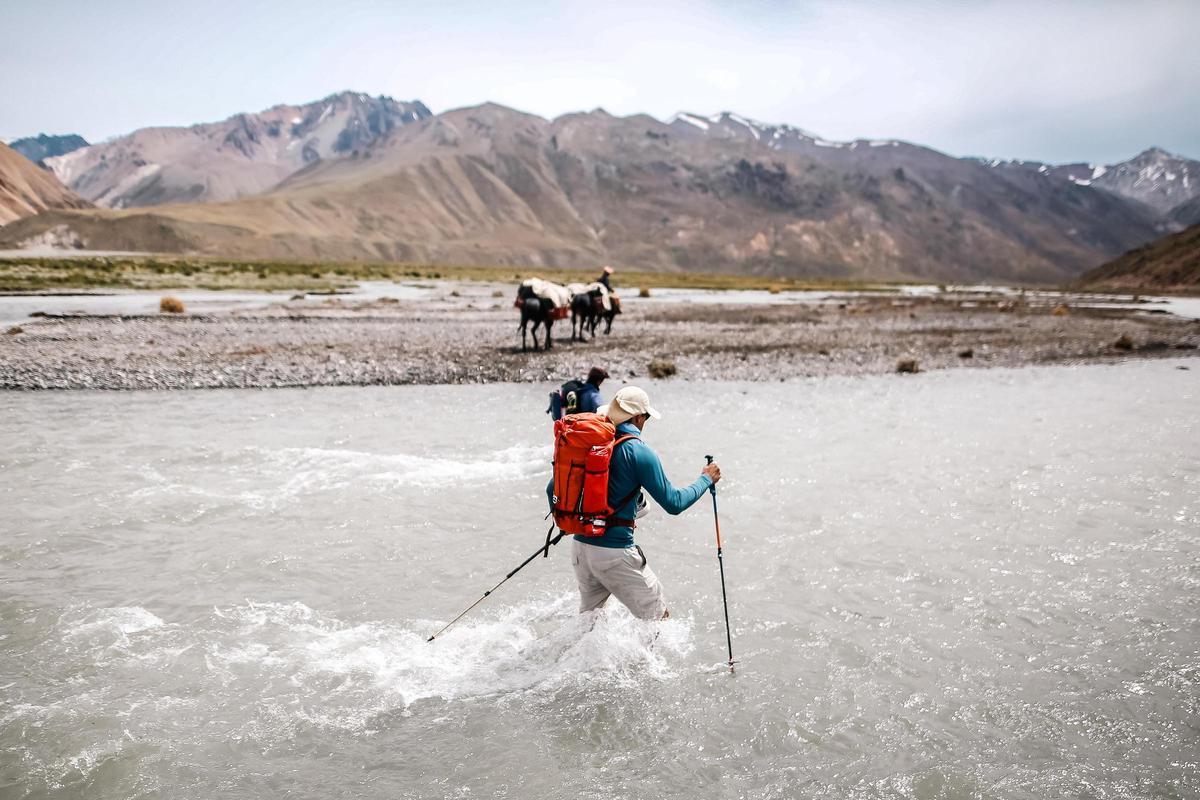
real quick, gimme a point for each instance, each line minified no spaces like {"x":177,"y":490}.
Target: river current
{"x":967,"y":584}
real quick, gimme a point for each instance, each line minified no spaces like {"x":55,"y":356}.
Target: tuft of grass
{"x":15,"y":329}
{"x":171,"y":305}
{"x":644,"y":291}
{"x":907,"y":366}
{"x":1123,"y":342}
{"x":967,"y":353}
{"x":661,"y":368}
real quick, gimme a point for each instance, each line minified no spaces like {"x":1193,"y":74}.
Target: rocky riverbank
{"x":469,"y":335}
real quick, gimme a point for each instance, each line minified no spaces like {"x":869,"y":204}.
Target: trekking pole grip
{"x":712,"y":487}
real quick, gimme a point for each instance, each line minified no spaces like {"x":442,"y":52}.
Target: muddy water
{"x":962,"y":584}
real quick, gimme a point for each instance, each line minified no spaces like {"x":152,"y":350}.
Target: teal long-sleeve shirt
{"x":634,"y":468}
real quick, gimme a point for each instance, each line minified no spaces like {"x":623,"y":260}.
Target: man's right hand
{"x":713,"y":471}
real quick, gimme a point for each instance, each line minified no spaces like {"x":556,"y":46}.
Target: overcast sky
{"x":1049,"y":80}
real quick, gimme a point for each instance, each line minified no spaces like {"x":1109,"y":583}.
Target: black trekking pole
{"x":544,"y":549}
{"x":721,"y":561}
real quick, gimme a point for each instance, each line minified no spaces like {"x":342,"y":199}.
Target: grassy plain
{"x":154,"y":273}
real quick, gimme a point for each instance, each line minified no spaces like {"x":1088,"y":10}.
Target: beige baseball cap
{"x":626,"y":404}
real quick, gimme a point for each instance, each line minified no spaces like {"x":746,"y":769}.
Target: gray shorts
{"x":604,"y":571}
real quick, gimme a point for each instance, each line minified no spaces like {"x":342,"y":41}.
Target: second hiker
{"x":576,"y":397}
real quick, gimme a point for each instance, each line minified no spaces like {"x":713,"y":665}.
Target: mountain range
{"x":243,"y":155}
{"x":1167,"y":183}
{"x":26,"y":188}
{"x":355,"y":177}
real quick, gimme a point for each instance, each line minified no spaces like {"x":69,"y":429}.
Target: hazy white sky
{"x":1056,"y":81}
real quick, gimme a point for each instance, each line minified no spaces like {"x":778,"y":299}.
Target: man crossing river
{"x":611,"y":563}
{"x":596,"y":494}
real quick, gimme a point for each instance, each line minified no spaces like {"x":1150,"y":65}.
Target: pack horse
{"x":540,"y":302}
{"x":589,"y":305}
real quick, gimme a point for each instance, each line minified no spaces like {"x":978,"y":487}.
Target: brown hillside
{"x":26,"y":188}
{"x":1171,"y":263}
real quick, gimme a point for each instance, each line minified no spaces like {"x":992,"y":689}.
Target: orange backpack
{"x":583,"y":447}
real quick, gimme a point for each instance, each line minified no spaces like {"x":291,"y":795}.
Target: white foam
{"x":316,"y":466}
{"x":122,"y":620}
{"x":353,"y":673}
{"x":266,"y":478}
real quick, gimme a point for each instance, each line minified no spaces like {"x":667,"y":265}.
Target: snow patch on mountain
{"x":690,"y":119}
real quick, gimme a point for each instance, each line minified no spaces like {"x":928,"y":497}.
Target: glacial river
{"x":968,"y":584}
{"x":19,"y":308}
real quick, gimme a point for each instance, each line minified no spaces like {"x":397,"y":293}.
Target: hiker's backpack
{"x":565,"y":400}
{"x":583,"y":448}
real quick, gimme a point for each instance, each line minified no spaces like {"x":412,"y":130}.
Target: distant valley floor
{"x":468,"y":334}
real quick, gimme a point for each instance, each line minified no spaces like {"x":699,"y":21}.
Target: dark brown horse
{"x":587,"y":309}
{"x":536,"y":310}
{"x":615,"y":302}
{"x":585,"y":313}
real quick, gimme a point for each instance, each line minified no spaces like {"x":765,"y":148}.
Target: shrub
{"x":968,"y":353}
{"x":907,"y":366}
{"x":644,"y":291}
{"x":1123,"y":343}
{"x":1061,"y":310}
{"x":15,"y":329}
{"x":170,"y":305}
{"x":661,"y":368}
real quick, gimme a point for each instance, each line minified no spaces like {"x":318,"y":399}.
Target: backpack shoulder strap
{"x":625,"y":500}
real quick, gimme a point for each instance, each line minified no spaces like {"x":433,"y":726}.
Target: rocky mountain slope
{"x":1165,"y":183}
{"x":493,"y":185}
{"x":1186,"y":213}
{"x":1171,"y":263}
{"x":26,"y":188}
{"x":37,"y":148}
{"x":244,"y":155}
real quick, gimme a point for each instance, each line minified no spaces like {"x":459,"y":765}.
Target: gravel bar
{"x":471,"y":336}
